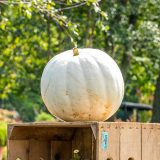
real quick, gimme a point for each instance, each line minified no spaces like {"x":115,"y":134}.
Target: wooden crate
{"x":94,"y":140}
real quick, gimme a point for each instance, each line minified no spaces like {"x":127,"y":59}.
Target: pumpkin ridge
{"x":91,"y":94}
{"x":70,"y":76}
{"x":68,"y":90}
{"x":55,"y":89}
{"x":86,"y":83}
{"x":104,"y":83}
{"x":46,"y":72}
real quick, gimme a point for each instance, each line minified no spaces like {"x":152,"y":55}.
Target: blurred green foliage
{"x":3,"y":134}
{"x":145,"y":116}
{"x":33,"y":32}
{"x":4,"y":153}
{"x":44,"y":117}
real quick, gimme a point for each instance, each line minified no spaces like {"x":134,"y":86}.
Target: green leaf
{"x":28,"y":14}
{"x":104,"y":14}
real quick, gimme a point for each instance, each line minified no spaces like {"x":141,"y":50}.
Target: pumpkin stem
{"x":75,"y":51}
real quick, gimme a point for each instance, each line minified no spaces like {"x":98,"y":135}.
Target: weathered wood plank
{"x":18,"y":149}
{"x":53,"y":124}
{"x":84,"y":142}
{"x":150,"y":141}
{"x":45,"y":133}
{"x":108,"y":141}
{"x":39,"y":150}
{"x":61,"y":150}
{"x":130,"y":141}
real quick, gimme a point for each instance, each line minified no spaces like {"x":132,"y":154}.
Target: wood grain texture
{"x":39,"y":150}
{"x":112,"y":150}
{"x":150,"y":141}
{"x":43,"y":141}
{"x":18,"y":149}
{"x":43,"y":133}
{"x":84,"y":142}
{"x":61,"y":150}
{"x":130,"y":141}
{"x":53,"y":124}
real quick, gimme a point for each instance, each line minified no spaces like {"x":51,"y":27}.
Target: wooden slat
{"x":130,"y":141}
{"x":151,"y":142}
{"x":18,"y":149}
{"x":84,"y":142}
{"x":112,"y":147}
{"x":53,"y":124}
{"x":45,"y":133}
{"x":39,"y":150}
{"x":61,"y":150}
{"x":93,"y":148}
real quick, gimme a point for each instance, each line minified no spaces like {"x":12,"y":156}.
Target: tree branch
{"x":73,"y":6}
{"x":7,"y":2}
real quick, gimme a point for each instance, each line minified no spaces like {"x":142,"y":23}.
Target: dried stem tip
{"x":75,"y":52}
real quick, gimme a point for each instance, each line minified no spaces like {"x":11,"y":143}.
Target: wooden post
{"x":108,"y":141}
{"x":150,"y":141}
{"x":130,"y":141}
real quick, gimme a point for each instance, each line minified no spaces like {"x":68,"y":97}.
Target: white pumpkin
{"x":84,"y":85}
